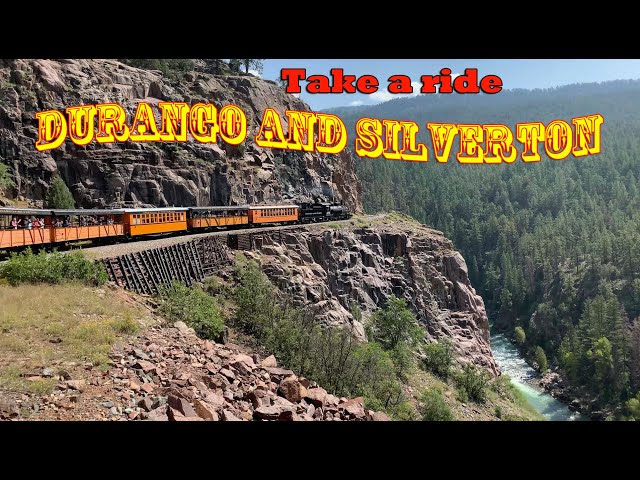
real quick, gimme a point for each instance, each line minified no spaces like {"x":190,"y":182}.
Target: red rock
{"x":286,"y":416}
{"x":183,"y":328}
{"x":205,"y":411}
{"x":145,"y":366}
{"x":187,"y":419}
{"x":305,"y":382}
{"x":258,"y":398}
{"x":292,"y":389}
{"x":278,"y":372}
{"x":354,"y":407}
{"x":212,"y":367}
{"x":267,"y":413}
{"x":381,"y":417}
{"x":228,"y":373}
{"x":241,"y":357}
{"x":181,"y":405}
{"x":79,"y":385}
{"x":134,"y":386}
{"x":269,"y":362}
{"x":317,"y":396}
{"x":228,"y":416}
{"x":146,"y":404}
{"x":214,"y":399}
{"x":158,"y":415}
{"x":148,"y":387}
{"x":208,"y":346}
{"x":331,"y":399}
{"x":133,"y":415}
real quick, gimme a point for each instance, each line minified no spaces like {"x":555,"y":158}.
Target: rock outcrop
{"x":328,"y":269}
{"x":158,"y":174}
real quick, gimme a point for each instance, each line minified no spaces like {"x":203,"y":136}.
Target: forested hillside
{"x":554,"y":246}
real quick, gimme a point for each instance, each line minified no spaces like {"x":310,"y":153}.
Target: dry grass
{"x":48,"y":325}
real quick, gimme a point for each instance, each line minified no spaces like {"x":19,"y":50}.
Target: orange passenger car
{"x":209,"y":217}
{"x":149,"y":221}
{"x":23,"y":227}
{"x":273,"y":214}
{"x":79,"y":224}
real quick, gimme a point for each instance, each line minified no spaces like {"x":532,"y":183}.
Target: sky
{"x":518,"y":73}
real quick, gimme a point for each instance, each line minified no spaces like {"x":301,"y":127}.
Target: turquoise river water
{"x":511,"y":363}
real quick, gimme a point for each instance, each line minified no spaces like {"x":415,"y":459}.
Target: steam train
{"x":23,"y":227}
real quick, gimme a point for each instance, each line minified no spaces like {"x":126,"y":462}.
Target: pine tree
{"x":59,"y":195}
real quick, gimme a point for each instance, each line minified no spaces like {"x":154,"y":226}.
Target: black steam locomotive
{"x":323,"y":212}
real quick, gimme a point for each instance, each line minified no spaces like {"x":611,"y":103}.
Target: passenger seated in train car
{"x":14,"y":223}
{"x":110,"y":221}
{"x":58,"y":223}
{"x":29,"y":223}
{"x":67,"y":221}
{"x":41,"y":222}
{"x":35,"y":222}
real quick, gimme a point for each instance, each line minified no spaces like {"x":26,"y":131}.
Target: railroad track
{"x":115,"y":249}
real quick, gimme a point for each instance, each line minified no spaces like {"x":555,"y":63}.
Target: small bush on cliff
{"x":395,"y":324}
{"x":472,"y":384}
{"x":5,"y":178}
{"x":173,"y":68}
{"x":194,"y":307}
{"x":541,"y":359}
{"x":59,"y":195}
{"x":27,"y":267}
{"x":521,"y":337}
{"x":433,"y":407}
{"x":438,"y":358}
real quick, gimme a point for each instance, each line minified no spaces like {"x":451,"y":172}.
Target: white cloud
{"x":297,"y":95}
{"x":383,"y":94}
{"x":255,"y":72}
{"x":356,"y":103}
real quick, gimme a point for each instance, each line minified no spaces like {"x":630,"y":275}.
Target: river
{"x":511,"y":363}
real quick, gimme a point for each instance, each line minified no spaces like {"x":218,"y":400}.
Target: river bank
{"x":526,"y":380}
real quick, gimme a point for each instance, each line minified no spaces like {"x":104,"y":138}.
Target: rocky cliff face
{"x":159,"y":174}
{"x":329,"y":269}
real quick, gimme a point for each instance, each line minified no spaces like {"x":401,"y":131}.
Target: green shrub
{"x":521,"y":337}
{"x":5,"y":178}
{"x":194,"y":307}
{"x":633,"y":407}
{"x":433,"y":407}
{"x":438,"y":358}
{"x":59,"y":195}
{"x":56,"y":267}
{"x":472,"y":384}
{"x":329,"y":356}
{"x":395,"y":324}
{"x":541,"y":359}
{"x":173,"y":68}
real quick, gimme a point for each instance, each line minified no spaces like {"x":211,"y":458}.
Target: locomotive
{"x":22,"y":227}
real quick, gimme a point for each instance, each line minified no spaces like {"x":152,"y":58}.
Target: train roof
{"x":153,"y":210}
{"x":258,"y":207}
{"x":218,"y":209}
{"x":88,"y":211}
{"x":24,"y":211}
